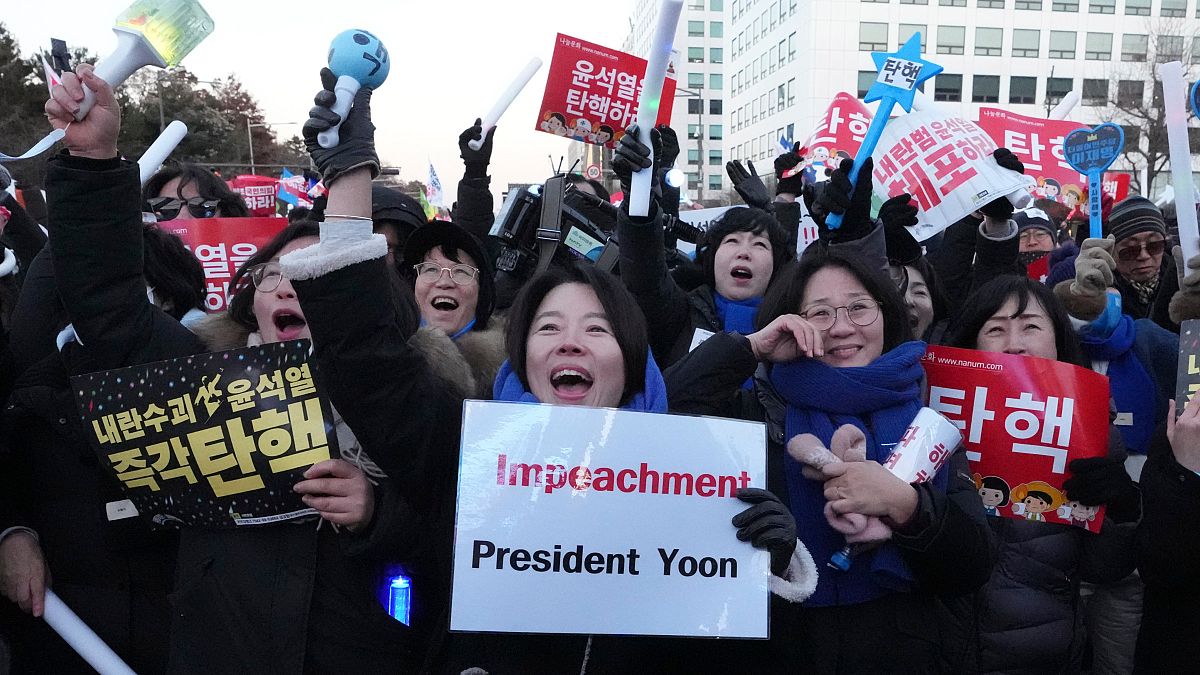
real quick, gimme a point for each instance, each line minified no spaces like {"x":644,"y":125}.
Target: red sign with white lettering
{"x":1023,"y":419}
{"x":222,"y":245}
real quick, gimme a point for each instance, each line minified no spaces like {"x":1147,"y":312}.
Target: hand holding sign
{"x":96,"y":136}
{"x":899,"y":75}
{"x":1091,"y":151}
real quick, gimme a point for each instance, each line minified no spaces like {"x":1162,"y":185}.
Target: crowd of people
{"x":409,"y":318}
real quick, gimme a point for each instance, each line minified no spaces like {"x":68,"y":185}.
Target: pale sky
{"x":450,"y":61}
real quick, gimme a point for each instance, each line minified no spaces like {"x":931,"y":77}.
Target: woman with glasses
{"x":834,"y":347}
{"x":189,"y":192}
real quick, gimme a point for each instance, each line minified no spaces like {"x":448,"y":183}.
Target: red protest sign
{"x":1038,"y":143}
{"x":1023,"y":420}
{"x":222,"y":245}
{"x":259,"y":193}
{"x":838,"y":135}
{"x":592,"y":92}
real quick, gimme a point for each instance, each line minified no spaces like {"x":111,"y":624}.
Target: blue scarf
{"x":652,"y":397}
{"x":1132,"y":388}
{"x":881,"y":399}
{"x":736,"y":315}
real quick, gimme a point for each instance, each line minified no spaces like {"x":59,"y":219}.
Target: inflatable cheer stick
{"x":82,"y":638}
{"x":150,"y":33}
{"x":506,"y":100}
{"x":900,"y":73}
{"x":925,"y":446}
{"x":160,"y":149}
{"x":652,"y":84}
{"x":1175,"y":110}
{"x":1090,"y":152}
{"x":358,"y":59}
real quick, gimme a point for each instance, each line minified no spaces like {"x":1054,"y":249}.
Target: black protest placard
{"x":212,"y":440}
{"x":1187,"y":379}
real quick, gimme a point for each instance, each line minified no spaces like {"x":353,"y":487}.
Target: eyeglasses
{"x":1131,"y":253}
{"x":860,"y":313}
{"x":265,"y":276}
{"x":460,"y":274}
{"x":1032,"y":235}
{"x":168,"y":208}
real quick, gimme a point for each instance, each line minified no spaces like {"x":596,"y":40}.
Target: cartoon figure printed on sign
{"x":602,"y":135}
{"x":582,"y":131}
{"x":815,"y":164}
{"x":993,"y":491}
{"x":1051,"y":188}
{"x":554,"y":123}
{"x":1072,"y":195}
{"x":1079,"y":515}
{"x":1035,"y":498}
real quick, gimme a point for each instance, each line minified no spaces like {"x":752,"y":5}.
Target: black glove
{"x":670,"y":146}
{"x":1002,"y":208}
{"x":767,"y":525}
{"x":630,"y":156}
{"x":1007,"y":160}
{"x":748,"y":184}
{"x":1103,"y":480}
{"x":855,"y":208}
{"x":784,"y":163}
{"x":476,"y":161}
{"x":356,"y":145}
{"x":897,"y":214}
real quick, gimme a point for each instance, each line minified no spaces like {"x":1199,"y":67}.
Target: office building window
{"x":1065,"y":5}
{"x":1102,"y":6}
{"x":714,"y":132}
{"x":1033,"y":5}
{"x":1062,"y":44}
{"x":990,"y":4}
{"x":693,"y":131}
{"x":1095,"y":92}
{"x":781,"y":96}
{"x":951,"y":39}
{"x":1098,"y":47}
{"x":695,"y":54}
{"x":716,"y":55}
{"x":985,"y":89}
{"x":693,"y":156}
{"x":716,"y":81}
{"x":952,"y":3}
{"x":1057,"y":88}
{"x":1169,"y":48}
{"x":1134,"y":47}
{"x":865,"y":79}
{"x":907,"y":30}
{"x":695,"y":80}
{"x":1130,"y":93}
{"x":1026,"y":43}
{"x":695,"y":106}
{"x":872,"y":37}
{"x":695,"y":29}
{"x":716,"y":5}
{"x":716,"y":29}
{"x":715,"y":106}
{"x":714,"y":158}
{"x":1173,"y":8}
{"x":1022,"y":89}
{"x":791,"y":47}
{"x":1137,"y":7}
{"x":914,"y":2}
{"x":1133,"y":135}
{"x":881,"y":2}
{"x":988,"y":41}
{"x":714,"y":181}
{"x":947,"y":87}
{"x":791,"y":91}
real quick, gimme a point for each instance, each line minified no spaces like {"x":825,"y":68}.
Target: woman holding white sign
{"x":834,"y":347}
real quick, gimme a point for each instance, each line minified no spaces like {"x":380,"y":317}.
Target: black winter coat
{"x":1155,"y":308}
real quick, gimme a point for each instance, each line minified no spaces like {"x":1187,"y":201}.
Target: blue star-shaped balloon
{"x":900,"y":73}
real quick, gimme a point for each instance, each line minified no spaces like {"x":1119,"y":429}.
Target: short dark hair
{"x":229,"y":203}
{"x":576,"y":179}
{"x":1040,"y":495}
{"x":629,"y":327}
{"x":172,"y":271}
{"x":743,"y":219}
{"x":787,"y":293}
{"x":990,"y":297}
{"x":997,"y":483}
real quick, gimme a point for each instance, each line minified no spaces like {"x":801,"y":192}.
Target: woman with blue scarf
{"x":835,"y":348}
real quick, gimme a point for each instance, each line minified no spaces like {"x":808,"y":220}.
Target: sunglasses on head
{"x":168,"y":208}
{"x":1134,"y":252}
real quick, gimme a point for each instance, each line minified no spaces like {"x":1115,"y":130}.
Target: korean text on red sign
{"x":222,"y":245}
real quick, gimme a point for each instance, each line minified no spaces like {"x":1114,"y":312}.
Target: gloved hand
{"x":897,"y":214}
{"x":670,"y":147}
{"x":768,"y":525}
{"x":1002,"y":208}
{"x":785,"y":162}
{"x":476,"y":161}
{"x":836,"y":197}
{"x":631,"y":155}
{"x":1103,"y":480}
{"x":1007,"y":160}
{"x":1185,"y":304}
{"x":899,"y":211}
{"x":356,"y":146}
{"x":748,"y":184}
{"x":1085,"y":297}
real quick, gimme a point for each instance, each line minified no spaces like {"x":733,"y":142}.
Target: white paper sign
{"x":945,"y":162}
{"x":601,"y":521}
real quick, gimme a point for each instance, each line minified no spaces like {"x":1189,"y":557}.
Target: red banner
{"x":259,"y":193}
{"x":1023,"y":419}
{"x":222,"y":245}
{"x":1038,"y":144}
{"x":838,"y":135}
{"x":592,"y":92}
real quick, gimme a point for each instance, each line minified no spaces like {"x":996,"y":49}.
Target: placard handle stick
{"x":1095,"y":211}
{"x":648,"y":103}
{"x":1175,"y":110}
{"x":82,"y":638}
{"x":493,"y":116}
{"x":161,"y":149}
{"x":834,"y":220}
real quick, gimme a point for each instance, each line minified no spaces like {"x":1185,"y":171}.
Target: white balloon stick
{"x":1065,"y":106}
{"x":648,"y":104}
{"x":1175,"y":111}
{"x":493,"y":116}
{"x":161,"y":149}
{"x":82,"y":638}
